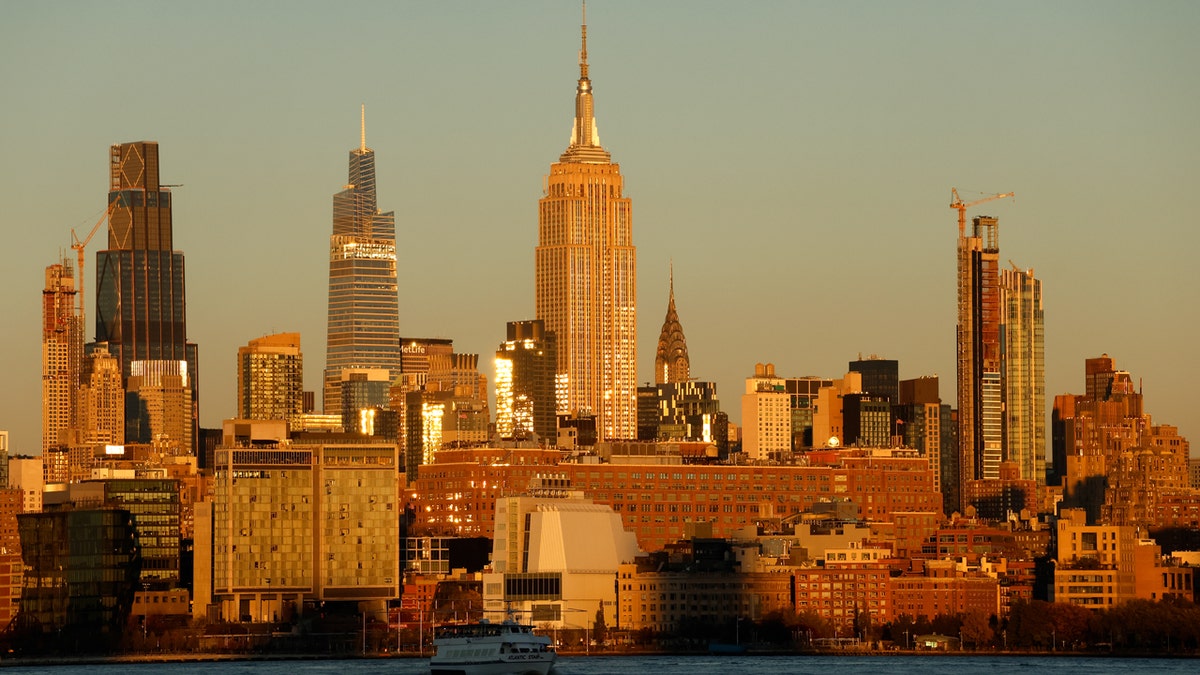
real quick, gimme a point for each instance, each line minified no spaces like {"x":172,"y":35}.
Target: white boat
{"x":486,"y":648}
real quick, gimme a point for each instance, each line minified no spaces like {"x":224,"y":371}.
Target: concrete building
{"x":766,"y":415}
{"x":292,"y":525}
{"x":554,"y":553}
{"x":27,"y":475}
{"x":158,"y":404}
{"x":586,"y":275}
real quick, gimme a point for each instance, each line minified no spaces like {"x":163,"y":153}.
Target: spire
{"x":585,"y":137}
{"x":671,"y":362}
{"x":362,"y":143}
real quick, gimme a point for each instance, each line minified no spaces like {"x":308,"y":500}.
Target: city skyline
{"x":799,"y":127}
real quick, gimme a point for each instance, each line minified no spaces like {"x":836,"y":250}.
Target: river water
{"x":658,"y":665}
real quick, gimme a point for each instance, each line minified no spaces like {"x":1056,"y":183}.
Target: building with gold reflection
{"x":586,"y":275}
{"x":525,"y":389}
{"x":271,"y":378}
{"x":364,"y":323}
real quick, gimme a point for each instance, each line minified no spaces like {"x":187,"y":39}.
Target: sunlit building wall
{"x":980,"y":394}
{"x":271,"y":378}
{"x":159,"y":403}
{"x":62,"y":350}
{"x":526,"y":363}
{"x":101,"y":399}
{"x":1023,"y":353}
{"x":364,"y":316}
{"x":586,"y":275}
{"x":766,"y":415}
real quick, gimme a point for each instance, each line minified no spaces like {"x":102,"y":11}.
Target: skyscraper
{"x":140,"y":299}
{"x":62,"y":349}
{"x":586,"y":275}
{"x":980,"y":393}
{"x":671,"y":362}
{"x":271,"y":378}
{"x":364,"y":323}
{"x":1022,"y":340}
{"x":525,"y":396}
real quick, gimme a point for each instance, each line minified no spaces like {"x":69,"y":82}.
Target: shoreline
{"x":233,"y":658}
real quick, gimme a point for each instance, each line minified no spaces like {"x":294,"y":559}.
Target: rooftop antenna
{"x":362,"y":143}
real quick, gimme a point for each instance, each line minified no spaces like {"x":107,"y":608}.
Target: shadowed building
{"x":141,"y":311}
{"x":586,"y":275}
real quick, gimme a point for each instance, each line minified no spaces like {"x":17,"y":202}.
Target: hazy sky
{"x":794,"y":159}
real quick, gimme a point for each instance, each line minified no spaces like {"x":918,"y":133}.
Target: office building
{"x":70,"y":593}
{"x":980,"y":385}
{"x":880,"y":377}
{"x":4,"y":459}
{"x":689,"y":411}
{"x":271,"y":378}
{"x":920,"y":422}
{"x":586,"y":275}
{"x":526,"y":363}
{"x":141,"y":310}
{"x":364,"y":315}
{"x":1023,"y":364}
{"x":62,"y":349}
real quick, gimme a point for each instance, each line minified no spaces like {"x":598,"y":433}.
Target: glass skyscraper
{"x":364,"y":314}
{"x":140,"y":300}
{"x":586,"y":276}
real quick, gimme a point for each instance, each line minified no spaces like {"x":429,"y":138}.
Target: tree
{"x":599,"y":628}
{"x":976,"y":629}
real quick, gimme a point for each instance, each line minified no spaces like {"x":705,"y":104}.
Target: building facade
{"x":766,"y":415}
{"x":271,"y":378}
{"x":980,"y":386}
{"x":526,"y":363}
{"x":141,"y":309}
{"x":364,"y":315}
{"x":62,"y":350}
{"x":586,"y":275}
{"x":1024,"y":365}
{"x":291,"y":525}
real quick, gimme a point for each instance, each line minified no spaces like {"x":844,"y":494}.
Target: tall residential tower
{"x":586,"y":275}
{"x":364,"y":315}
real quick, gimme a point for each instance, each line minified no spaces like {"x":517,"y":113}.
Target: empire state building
{"x":586,"y":275}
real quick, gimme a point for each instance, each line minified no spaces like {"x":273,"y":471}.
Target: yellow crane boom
{"x":956,"y":202}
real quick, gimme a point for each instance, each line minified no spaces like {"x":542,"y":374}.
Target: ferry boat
{"x":486,"y":648}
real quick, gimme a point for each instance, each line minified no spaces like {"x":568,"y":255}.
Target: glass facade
{"x":363,"y":329}
{"x":140,"y":295}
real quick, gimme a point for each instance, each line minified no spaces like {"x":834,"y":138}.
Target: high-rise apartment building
{"x":271,"y":378}
{"x":140,"y":300}
{"x":766,"y":415}
{"x":1023,"y":354}
{"x":980,"y":385}
{"x":526,"y":363}
{"x":62,"y":348}
{"x":586,"y":275}
{"x":364,"y":323}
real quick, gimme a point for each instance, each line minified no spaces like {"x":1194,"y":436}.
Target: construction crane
{"x":956,"y":202}
{"x":79,"y":246}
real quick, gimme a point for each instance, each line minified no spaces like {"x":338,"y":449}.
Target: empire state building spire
{"x":585,"y":137}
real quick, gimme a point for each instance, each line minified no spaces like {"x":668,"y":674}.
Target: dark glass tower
{"x":364,"y":315}
{"x":140,"y":300}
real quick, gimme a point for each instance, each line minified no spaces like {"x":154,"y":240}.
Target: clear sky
{"x":793,"y":159}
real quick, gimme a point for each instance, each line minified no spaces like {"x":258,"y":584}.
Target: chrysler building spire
{"x":671,"y":363}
